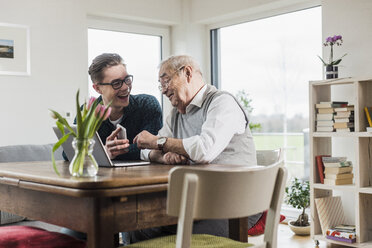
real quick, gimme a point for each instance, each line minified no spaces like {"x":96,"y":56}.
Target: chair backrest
{"x":268,"y":157}
{"x":20,"y":153}
{"x":212,"y":193}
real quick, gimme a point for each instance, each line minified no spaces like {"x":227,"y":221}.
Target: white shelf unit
{"x":359,"y":141}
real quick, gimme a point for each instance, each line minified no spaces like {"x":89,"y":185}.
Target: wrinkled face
{"x":174,"y":87}
{"x":119,"y":97}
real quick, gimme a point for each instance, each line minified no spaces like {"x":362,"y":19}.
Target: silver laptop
{"x":99,"y":152}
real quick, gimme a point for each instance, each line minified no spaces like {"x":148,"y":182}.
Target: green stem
{"x":82,"y":151}
{"x":93,"y":160}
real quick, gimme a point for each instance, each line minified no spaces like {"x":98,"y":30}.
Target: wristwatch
{"x":161,"y":142}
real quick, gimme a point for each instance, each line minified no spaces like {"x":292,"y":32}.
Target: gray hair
{"x":174,"y":63}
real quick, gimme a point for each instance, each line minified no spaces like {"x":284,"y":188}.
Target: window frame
{"x":215,"y":56}
{"x":127,"y":26}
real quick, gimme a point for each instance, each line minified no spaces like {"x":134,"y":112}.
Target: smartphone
{"x":123,"y":133}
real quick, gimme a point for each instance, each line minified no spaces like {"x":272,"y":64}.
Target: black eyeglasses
{"x":128,"y":80}
{"x":163,"y":85}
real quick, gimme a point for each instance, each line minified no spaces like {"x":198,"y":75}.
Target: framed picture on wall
{"x":14,"y":49}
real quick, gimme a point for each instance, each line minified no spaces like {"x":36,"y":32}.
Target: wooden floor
{"x":287,"y":239}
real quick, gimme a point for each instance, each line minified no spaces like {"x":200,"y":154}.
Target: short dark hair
{"x":101,"y":62}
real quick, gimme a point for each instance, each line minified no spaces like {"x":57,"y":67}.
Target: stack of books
{"x":324,"y":117}
{"x":343,"y":233}
{"x":344,"y":118}
{"x":337,"y":171}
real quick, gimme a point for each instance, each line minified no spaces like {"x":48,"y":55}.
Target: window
{"x":272,"y":60}
{"x":141,"y":54}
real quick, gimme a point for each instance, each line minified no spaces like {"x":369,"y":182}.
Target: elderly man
{"x":205,"y":126}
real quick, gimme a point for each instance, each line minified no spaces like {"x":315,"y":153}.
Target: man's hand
{"x":174,"y":158}
{"x":115,"y":146}
{"x":146,"y":140}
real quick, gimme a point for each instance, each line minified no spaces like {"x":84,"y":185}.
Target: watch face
{"x":162,"y":140}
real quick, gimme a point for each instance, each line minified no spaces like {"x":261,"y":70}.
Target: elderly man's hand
{"x":174,"y":158}
{"x":115,"y":146}
{"x":146,"y":140}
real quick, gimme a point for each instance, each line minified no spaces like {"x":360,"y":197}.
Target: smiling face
{"x":176,"y":88}
{"x":119,"y":97}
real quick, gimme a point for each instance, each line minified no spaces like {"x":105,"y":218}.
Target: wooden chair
{"x":207,"y":193}
{"x":268,"y":157}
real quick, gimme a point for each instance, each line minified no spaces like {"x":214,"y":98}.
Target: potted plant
{"x":88,"y":120}
{"x":332,"y":65}
{"x":298,"y":196}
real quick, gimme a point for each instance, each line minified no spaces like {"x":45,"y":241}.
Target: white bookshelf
{"x":360,"y":95}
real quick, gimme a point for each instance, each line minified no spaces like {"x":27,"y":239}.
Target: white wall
{"x":353,"y":20}
{"x":59,"y":46}
{"x":58,"y":37}
{"x":58,"y":68}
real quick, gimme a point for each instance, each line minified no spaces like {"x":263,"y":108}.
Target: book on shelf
{"x":340,"y":102}
{"x":343,"y":124}
{"x":324,"y":117}
{"x":341,"y":109}
{"x":324,"y":129}
{"x":333,"y":104}
{"x":350,"y":107}
{"x":347,"y":240}
{"x":325,"y":111}
{"x":338,"y":170}
{"x":343,"y":114}
{"x":323,"y":105}
{"x":345,"y":227}
{"x":344,"y":181}
{"x":343,"y":233}
{"x":337,"y":164}
{"x":320,"y":166}
{"x":324,"y":123}
{"x":338,"y":176}
{"x":344,"y":119}
{"x":330,"y":212}
{"x":334,"y":159}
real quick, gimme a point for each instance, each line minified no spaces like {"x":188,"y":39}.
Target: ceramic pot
{"x":331,"y":71}
{"x":299,"y":230}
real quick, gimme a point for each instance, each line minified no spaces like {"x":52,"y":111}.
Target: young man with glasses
{"x":205,"y":126}
{"x":134,"y":112}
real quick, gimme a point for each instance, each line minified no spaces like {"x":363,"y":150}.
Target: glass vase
{"x":83,"y":164}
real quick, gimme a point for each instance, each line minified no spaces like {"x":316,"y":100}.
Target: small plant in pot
{"x":298,"y":196}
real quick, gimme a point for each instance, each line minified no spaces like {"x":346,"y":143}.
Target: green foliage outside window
{"x":245,"y":102}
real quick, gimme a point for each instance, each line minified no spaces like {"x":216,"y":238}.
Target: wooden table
{"x":116,"y":200}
